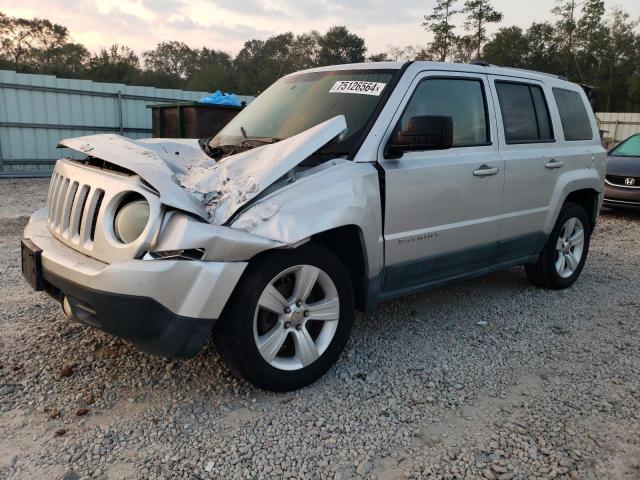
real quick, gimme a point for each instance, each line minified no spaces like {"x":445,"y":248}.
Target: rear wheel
{"x":288,"y":320}
{"x":565,"y":252}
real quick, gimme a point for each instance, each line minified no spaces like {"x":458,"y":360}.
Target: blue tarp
{"x":220,"y":98}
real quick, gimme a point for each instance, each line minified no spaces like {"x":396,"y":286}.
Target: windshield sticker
{"x":362,"y":88}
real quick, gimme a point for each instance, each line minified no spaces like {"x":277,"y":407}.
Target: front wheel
{"x":565,"y":252}
{"x":288,"y":319}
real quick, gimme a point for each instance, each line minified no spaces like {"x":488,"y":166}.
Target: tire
{"x":287,"y":360}
{"x":550,"y":271}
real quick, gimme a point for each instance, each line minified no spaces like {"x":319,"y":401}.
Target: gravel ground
{"x":549,"y":387}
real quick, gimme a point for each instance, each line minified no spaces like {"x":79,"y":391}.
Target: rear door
{"x":533,"y":160}
{"x":544,"y":132}
{"x":441,"y":205}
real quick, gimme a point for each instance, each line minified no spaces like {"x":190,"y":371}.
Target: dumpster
{"x":190,"y":119}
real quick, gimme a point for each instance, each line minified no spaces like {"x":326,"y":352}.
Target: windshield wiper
{"x":264,"y":140}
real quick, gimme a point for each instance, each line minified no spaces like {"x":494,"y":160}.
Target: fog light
{"x":131,"y":220}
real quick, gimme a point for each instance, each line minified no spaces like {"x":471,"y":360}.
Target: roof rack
{"x":553,"y":75}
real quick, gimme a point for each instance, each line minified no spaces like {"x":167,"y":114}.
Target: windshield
{"x":298,"y":102}
{"x":629,"y":148}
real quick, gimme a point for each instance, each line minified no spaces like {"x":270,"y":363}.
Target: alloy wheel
{"x":569,"y":247}
{"x":296,"y":317}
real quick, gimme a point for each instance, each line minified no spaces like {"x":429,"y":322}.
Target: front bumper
{"x":164,"y":307}
{"x":621,"y":197}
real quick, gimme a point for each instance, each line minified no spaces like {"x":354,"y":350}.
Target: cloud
{"x":219,"y":32}
{"x":163,"y":5}
{"x":253,"y":7}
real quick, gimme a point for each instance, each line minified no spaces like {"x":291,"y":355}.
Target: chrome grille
{"x":73,"y":210}
{"x":82,"y":202}
{"x":622,"y":181}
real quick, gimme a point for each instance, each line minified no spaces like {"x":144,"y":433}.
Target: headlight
{"x":131,"y":220}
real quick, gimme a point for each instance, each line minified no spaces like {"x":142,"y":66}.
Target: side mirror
{"x":422,"y":133}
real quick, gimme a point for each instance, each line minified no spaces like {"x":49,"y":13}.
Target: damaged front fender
{"x":340,"y":193}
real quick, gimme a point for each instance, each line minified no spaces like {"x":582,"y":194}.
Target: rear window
{"x":525,"y":116}
{"x":575,"y":119}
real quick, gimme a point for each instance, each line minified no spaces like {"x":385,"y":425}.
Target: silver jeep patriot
{"x":334,"y":190}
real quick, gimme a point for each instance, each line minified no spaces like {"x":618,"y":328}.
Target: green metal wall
{"x":36,"y":111}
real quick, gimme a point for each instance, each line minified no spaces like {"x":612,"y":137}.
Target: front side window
{"x":575,"y":120}
{"x":461,"y":99}
{"x":525,"y":117}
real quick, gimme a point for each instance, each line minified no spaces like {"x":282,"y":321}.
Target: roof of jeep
{"x":443,"y":66}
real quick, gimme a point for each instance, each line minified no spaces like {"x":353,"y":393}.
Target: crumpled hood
{"x":188,"y":179}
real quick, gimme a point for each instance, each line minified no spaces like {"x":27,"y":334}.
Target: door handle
{"x":553,"y":163}
{"x":485,"y":171}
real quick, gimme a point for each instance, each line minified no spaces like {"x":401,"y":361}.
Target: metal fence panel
{"x":618,"y":126}
{"x":36,"y":111}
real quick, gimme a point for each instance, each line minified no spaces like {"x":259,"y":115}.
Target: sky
{"x":227,"y":24}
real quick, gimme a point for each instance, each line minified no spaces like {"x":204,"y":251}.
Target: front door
{"x":441,"y":206}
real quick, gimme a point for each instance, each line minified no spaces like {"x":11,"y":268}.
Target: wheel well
{"x":346,"y":242}
{"x":587,"y":199}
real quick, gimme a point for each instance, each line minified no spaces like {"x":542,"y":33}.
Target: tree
{"x":305,"y":51}
{"x":565,"y":27}
{"x":479,"y":14}
{"x":213,"y":70}
{"x":260,"y":63}
{"x":277,"y":57}
{"x":590,"y":39}
{"x":39,"y":46}
{"x":339,"y":45}
{"x":509,"y":47}
{"x":410,"y":52}
{"x":580,"y":44}
{"x":116,"y":64}
{"x":623,"y":63}
{"x":439,"y":22}
{"x":68,"y":60}
{"x":543,"y":51}
{"x":633,"y":102}
{"x":18,"y":38}
{"x":158,"y":79}
{"x":174,"y":58}
{"x":378,"y":57}
{"x":464,"y":48}
{"x":395,"y":53}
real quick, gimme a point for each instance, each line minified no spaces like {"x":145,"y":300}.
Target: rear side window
{"x":525,"y":116}
{"x":461,"y":99}
{"x":575,"y":120}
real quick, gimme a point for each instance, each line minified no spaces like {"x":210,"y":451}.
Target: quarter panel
{"x":580,"y":179}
